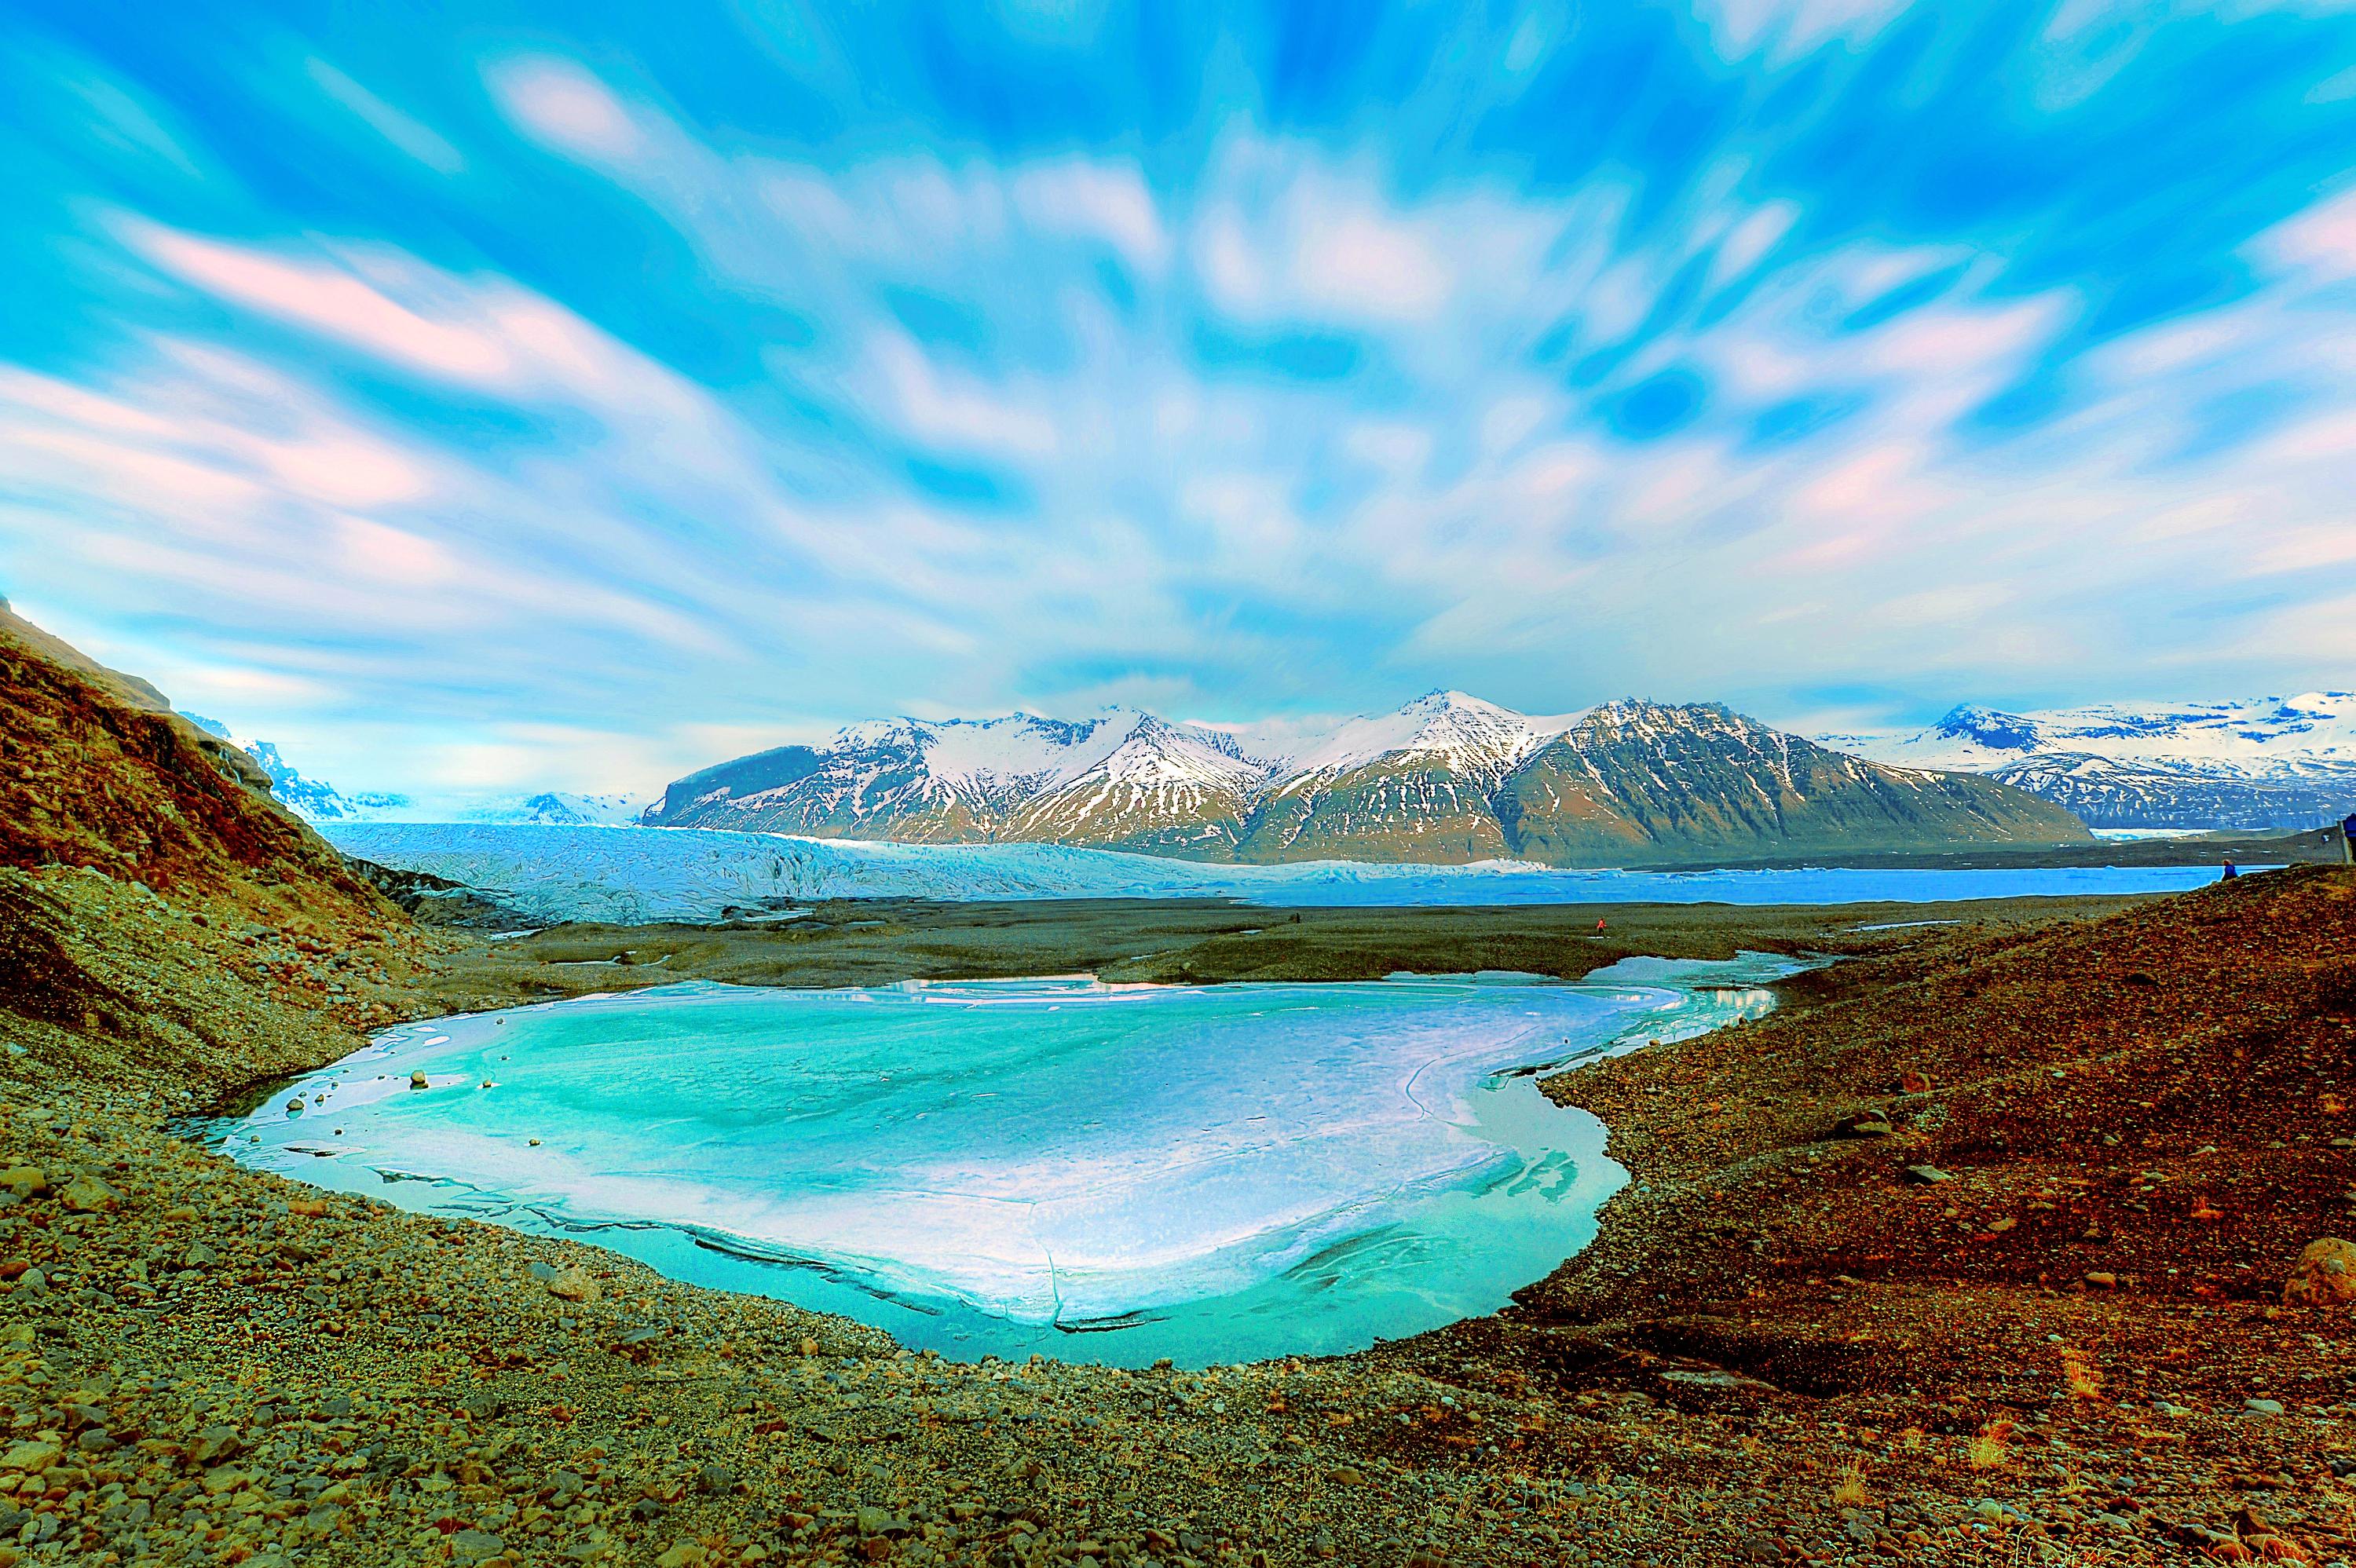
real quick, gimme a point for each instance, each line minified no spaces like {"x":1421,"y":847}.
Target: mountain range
{"x":315,"y":801}
{"x":1447,"y":778}
{"x":2268,"y":762}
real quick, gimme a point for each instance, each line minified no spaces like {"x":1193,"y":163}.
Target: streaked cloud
{"x":549,"y":408}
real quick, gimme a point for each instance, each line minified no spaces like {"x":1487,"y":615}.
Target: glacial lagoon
{"x":1094,"y":1172}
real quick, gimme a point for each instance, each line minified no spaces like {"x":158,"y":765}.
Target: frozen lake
{"x":628,"y":874}
{"x":1103,"y":1173}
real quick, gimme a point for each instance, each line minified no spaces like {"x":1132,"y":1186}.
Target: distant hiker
{"x":2230,"y":872}
{"x":1598,"y":925}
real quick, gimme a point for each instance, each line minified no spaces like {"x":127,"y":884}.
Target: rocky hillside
{"x":104,"y":775}
{"x":1444,"y":779}
{"x":162,"y":918}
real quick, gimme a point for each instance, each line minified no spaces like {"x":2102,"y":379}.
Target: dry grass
{"x":2078,"y":1367}
{"x":1987,"y":1449}
{"x":1851,"y":1492}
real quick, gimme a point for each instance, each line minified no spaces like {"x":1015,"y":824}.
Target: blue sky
{"x":570,"y":394}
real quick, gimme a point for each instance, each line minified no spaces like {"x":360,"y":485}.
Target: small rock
{"x":215,"y":1444}
{"x":474,"y":1545}
{"x":29,"y":1458}
{"x":1926,"y":1175}
{"x":417,"y":1079}
{"x":574,"y":1284}
{"x":1863,"y":1125}
{"x":24,"y":1180}
{"x":2262,"y":1406}
{"x":2101,"y":1279}
{"x":1914,"y":1083}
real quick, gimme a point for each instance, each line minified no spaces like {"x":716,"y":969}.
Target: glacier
{"x":1103,"y":1172}
{"x":557,"y":873}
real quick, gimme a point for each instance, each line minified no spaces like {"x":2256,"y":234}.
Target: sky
{"x":510,"y":396}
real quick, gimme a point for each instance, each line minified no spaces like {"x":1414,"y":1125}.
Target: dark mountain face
{"x":1635,"y":782}
{"x":1427,"y":814}
{"x":732,"y":782}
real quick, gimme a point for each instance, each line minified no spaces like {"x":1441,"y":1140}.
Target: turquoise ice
{"x":1108,"y":1173}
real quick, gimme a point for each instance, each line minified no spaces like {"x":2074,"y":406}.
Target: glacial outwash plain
{"x":2015,"y":1235}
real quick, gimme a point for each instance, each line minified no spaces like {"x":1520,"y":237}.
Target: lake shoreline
{"x":463,"y":1152}
{"x":537,"y":1393}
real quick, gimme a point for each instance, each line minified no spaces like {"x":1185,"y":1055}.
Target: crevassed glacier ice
{"x":560,"y":873}
{"x":1101,"y":1172}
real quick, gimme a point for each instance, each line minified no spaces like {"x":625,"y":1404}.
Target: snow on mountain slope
{"x":2273,"y":762}
{"x":1162,"y":789}
{"x":318,"y":802}
{"x":2288,"y":735}
{"x":954,"y":781}
{"x":559,"y":808}
{"x":314,"y":800}
{"x":1449,"y":730}
{"x":555,"y":874}
{"x":1431,"y":782}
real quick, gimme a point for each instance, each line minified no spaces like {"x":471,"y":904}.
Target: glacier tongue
{"x":553,"y":874}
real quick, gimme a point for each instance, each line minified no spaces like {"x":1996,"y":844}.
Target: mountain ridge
{"x":1446,"y":778}
{"x":2260,"y":762}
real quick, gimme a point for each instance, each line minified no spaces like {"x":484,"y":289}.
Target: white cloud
{"x":562,"y":105}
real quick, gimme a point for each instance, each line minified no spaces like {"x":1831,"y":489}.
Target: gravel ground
{"x":1781,"y":1348}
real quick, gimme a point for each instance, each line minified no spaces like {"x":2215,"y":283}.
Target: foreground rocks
{"x":1782,"y":1348}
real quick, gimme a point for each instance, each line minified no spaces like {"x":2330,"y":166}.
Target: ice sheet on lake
{"x":1228,"y":1170}
{"x":557,"y":873}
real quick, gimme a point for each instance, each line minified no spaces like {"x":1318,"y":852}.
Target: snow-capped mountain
{"x":2273,"y":762}
{"x":312,"y":800}
{"x":560,"y":809}
{"x":1447,"y":778}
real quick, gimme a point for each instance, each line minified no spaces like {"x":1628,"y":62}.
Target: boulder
{"x":574,"y":1284}
{"x":87,"y":1194}
{"x":2325,"y":1275}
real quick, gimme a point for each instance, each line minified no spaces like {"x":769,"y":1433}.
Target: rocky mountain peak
{"x":1988,"y":727}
